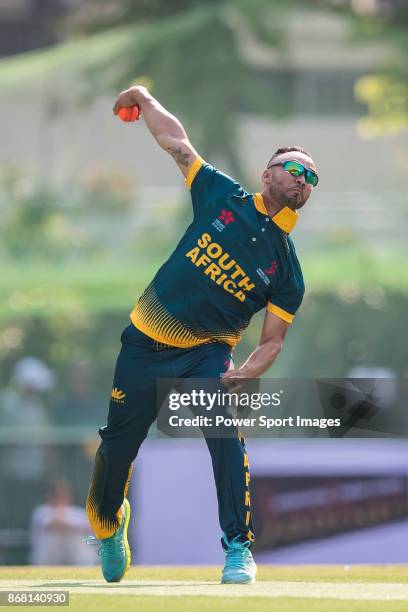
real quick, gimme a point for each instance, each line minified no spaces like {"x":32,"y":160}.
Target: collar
{"x":286,"y":218}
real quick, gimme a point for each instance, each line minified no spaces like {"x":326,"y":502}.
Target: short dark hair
{"x":287,"y":150}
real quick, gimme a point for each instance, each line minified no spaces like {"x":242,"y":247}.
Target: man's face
{"x":283,"y":187}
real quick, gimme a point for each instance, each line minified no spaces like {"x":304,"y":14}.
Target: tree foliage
{"x":192,"y":51}
{"x":385,"y":91}
{"x":191,"y":54}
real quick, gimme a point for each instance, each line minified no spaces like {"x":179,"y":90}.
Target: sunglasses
{"x":297,"y":169}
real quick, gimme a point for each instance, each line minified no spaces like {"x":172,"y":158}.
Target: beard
{"x":289,"y":197}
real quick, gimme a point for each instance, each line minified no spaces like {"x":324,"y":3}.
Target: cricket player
{"x":235,"y":259}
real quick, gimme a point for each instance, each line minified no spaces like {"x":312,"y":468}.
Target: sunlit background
{"x":90,"y":207}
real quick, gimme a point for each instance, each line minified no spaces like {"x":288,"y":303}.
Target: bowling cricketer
{"x":235,"y":259}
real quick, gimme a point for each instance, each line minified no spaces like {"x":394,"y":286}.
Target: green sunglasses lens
{"x":294,"y":168}
{"x":311,"y":178}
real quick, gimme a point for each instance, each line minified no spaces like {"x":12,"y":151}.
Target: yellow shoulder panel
{"x":279,"y":312}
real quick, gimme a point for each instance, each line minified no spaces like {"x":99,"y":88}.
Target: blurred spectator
{"x":23,"y":465}
{"x":403,"y":401}
{"x":81,"y":405}
{"x":57,"y":530}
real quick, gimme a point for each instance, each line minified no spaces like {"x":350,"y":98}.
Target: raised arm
{"x":165,"y":127}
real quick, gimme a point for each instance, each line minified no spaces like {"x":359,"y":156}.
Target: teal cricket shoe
{"x":115,"y":550}
{"x":240,"y":567}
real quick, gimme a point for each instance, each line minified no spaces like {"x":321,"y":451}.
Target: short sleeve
{"x":207,"y":184}
{"x":286,"y":300}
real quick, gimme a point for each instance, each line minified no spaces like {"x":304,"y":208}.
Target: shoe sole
{"x":250,"y":581}
{"x":125,"y":530}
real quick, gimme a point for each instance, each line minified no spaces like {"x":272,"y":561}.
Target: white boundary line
{"x":319,"y":590}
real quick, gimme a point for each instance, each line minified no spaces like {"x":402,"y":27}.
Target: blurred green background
{"x":90,"y":207}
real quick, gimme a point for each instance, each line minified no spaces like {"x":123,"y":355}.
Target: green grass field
{"x":174,"y":589}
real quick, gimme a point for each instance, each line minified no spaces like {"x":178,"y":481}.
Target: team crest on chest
{"x":267,"y":272}
{"x":263,"y":276}
{"x":221,"y":222}
{"x":272,"y":268}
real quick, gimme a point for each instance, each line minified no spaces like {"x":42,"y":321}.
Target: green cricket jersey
{"x":233,"y":260}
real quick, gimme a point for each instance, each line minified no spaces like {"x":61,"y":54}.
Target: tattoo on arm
{"x":181,"y":158}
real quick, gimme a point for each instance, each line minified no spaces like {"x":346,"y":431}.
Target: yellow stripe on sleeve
{"x":279,"y":312}
{"x":192,"y":171}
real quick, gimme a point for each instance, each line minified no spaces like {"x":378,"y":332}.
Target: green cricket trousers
{"x":132,"y":410}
